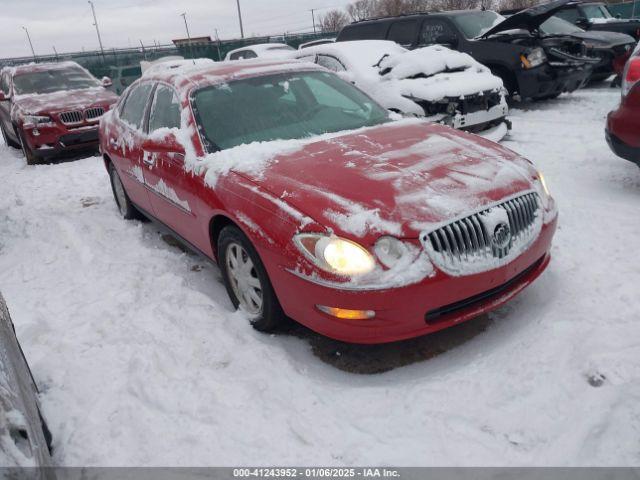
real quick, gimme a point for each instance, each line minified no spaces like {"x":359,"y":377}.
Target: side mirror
{"x":106,"y":82}
{"x":582,"y":22}
{"x":167,"y":143}
{"x":447,"y":40}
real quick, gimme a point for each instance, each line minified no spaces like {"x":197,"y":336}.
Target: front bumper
{"x":437,"y":302}
{"x":547,"y":80}
{"x":49,"y":141}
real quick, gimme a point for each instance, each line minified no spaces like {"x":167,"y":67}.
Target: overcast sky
{"x":68,"y":24}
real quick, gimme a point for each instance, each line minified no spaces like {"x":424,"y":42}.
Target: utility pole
{"x":313,"y":17}
{"x":186,"y":25}
{"x":95,"y":23}
{"x":30,"y":44}
{"x":240,"y":19}
{"x":56,"y":52}
{"x":218,"y":44}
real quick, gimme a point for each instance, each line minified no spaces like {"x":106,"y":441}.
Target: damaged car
{"x":434,"y":82}
{"x":530,"y":65}
{"x":596,"y":16}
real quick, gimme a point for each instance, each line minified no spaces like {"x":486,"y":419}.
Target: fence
{"x":102,"y":64}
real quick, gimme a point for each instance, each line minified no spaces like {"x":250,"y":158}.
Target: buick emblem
{"x":501,"y":238}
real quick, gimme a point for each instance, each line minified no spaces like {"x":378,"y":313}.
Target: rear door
{"x":171,"y":188}
{"x":125,"y":143}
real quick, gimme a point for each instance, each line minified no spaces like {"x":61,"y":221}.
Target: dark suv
{"x":596,"y":16}
{"x":532,"y":65}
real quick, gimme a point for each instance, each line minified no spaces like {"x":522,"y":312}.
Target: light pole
{"x":186,"y":25}
{"x":95,"y":23}
{"x":30,"y":44}
{"x":240,"y":19}
{"x":313,"y":17}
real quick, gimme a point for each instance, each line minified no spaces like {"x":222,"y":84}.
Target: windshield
{"x":557,"y":26}
{"x":54,"y":80}
{"x":474,"y":24}
{"x":596,"y":11}
{"x":283,"y":106}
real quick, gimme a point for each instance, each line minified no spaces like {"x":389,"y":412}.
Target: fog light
{"x":347,"y":314}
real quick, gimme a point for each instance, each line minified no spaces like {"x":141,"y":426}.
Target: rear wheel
{"x":29,"y":155}
{"x":125,"y":207}
{"x":246,"y":280}
{"x":6,"y":138}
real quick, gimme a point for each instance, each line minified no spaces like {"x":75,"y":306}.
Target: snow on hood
{"x":435,"y":72}
{"x":397,"y":178}
{"x":63,"y":100}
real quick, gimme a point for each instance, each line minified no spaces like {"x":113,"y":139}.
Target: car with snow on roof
{"x":50,"y":108}
{"x":530,"y":65}
{"x":321,"y":206}
{"x":261,"y":50}
{"x":434,"y":82}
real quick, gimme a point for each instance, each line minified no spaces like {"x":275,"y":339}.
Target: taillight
{"x":631,"y":74}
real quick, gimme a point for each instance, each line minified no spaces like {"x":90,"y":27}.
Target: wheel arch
{"x":216,"y":224}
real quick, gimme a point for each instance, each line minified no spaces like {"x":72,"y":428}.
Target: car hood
{"x":604,"y":38}
{"x":398,"y":178}
{"x":56,"y":102}
{"x":529,"y":19}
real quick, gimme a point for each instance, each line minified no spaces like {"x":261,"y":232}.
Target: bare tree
{"x":517,"y":4}
{"x":362,"y":9}
{"x":333,"y":21}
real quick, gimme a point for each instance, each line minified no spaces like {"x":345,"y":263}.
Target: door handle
{"x":149,"y":158}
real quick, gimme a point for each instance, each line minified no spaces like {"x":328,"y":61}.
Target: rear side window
{"x":165,"y":109}
{"x":331,"y":63}
{"x":242,"y":55}
{"x":432,"y":29}
{"x":404,"y":32}
{"x":135,"y":105}
{"x":367,"y":31}
{"x":4,"y":83}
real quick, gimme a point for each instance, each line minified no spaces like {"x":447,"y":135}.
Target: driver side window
{"x":433,"y":29}
{"x":165,"y":109}
{"x":5,"y":84}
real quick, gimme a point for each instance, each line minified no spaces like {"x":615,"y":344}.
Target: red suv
{"x":318,"y":206}
{"x":623,"y":125}
{"x":50,"y":108}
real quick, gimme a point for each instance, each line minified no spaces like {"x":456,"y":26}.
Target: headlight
{"x":35,"y":120}
{"x":389,"y":251}
{"x":534,"y":58}
{"x":335,"y":254}
{"x":543,"y":182}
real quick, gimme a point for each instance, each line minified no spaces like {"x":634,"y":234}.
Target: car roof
{"x":259,"y":47}
{"x":356,"y":54}
{"x":185,"y":77}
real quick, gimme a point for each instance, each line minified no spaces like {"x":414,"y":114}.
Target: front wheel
{"x":246,"y":280}
{"x":125,"y":207}
{"x":6,"y":138}
{"x":29,"y":155}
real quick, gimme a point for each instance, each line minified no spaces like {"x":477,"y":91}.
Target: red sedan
{"x":623,"y":124}
{"x":50,"y":108}
{"x":320,"y":207}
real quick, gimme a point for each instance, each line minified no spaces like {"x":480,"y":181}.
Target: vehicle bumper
{"x":438,"y":302}
{"x":480,"y":118}
{"x":547,"y":80}
{"x":51,"y":141}
{"x":621,"y":149}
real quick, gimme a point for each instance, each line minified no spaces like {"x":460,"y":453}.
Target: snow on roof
{"x":178,"y":66}
{"x":265,"y":50}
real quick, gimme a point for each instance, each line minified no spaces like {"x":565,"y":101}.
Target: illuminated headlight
{"x":389,"y":251}
{"x":335,"y":254}
{"x":543,"y":182}
{"x":33,"y":121}
{"x":533,"y":58}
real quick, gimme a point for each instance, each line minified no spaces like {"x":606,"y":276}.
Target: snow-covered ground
{"x":141,"y":360}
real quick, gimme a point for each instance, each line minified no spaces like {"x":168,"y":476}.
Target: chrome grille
{"x":69,"y":118}
{"x":92,"y":114}
{"x":485,"y":239}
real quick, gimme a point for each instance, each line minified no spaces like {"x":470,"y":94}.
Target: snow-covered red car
{"x":261,"y":50}
{"x":317,"y":205}
{"x":434,"y":82}
{"x":50,"y":108}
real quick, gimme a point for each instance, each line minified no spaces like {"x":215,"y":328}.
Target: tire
{"x":29,"y":155}
{"x":7,"y":140}
{"x":125,"y":207}
{"x":234,"y":247}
